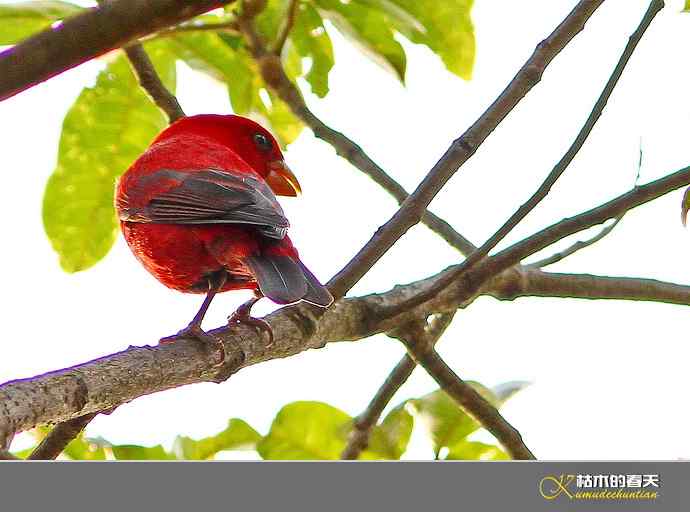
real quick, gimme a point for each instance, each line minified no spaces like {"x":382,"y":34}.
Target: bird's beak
{"x":281,"y":180}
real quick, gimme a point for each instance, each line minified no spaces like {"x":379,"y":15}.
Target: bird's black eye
{"x":262,"y":142}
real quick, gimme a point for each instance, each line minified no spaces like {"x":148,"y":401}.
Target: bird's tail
{"x":285,"y":280}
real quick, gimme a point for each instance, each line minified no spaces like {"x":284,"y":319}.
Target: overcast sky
{"x":609,"y":379}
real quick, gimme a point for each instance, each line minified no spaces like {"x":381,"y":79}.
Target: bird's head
{"x":249,"y":140}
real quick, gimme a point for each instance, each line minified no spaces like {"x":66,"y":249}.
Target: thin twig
{"x":361,"y":429}
{"x":615,"y":208}
{"x":466,"y":397}
{"x":57,"y":440}
{"x":654,"y":7}
{"x":577,"y":246}
{"x":290,"y":17}
{"x":461,"y":150}
{"x":414,"y":206}
{"x":152,"y":84}
{"x":185,"y":28}
{"x":88,"y":35}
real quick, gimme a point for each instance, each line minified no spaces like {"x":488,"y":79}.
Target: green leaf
{"x":446,"y":422}
{"x":82,"y":448}
{"x":306,"y":431}
{"x":21,"y":19}
{"x":106,"y":129}
{"x":311,"y":40}
{"x":473,"y":450}
{"x":369,"y":29}
{"x":214,"y":55}
{"x":686,"y":8}
{"x":237,"y":436}
{"x":270,"y":20}
{"x":135,"y":452}
{"x":448,"y":31}
{"x":284,"y":124}
{"x":390,"y":438}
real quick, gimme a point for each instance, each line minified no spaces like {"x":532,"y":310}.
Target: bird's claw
{"x":242,"y":317}
{"x":196,"y":332}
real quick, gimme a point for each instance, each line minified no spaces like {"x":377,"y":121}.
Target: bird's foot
{"x":243,"y":316}
{"x":195,"y":331}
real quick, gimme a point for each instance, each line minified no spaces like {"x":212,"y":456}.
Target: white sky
{"x":609,"y":378}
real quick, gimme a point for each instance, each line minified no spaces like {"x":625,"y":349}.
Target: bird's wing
{"x":209,"y":196}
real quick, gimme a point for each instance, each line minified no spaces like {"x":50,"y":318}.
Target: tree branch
{"x":152,"y":84}
{"x":414,"y":207}
{"x":225,"y":26}
{"x":615,"y":208}
{"x":55,"y":442}
{"x":361,"y":428}
{"x":466,"y":397}
{"x":88,"y":35}
{"x":461,"y":150}
{"x":471,"y":261}
{"x":577,"y":246}
{"x":286,"y":28}
{"x":119,"y":378}
{"x":588,"y":286}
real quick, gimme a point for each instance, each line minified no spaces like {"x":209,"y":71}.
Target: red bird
{"x":198,"y":209}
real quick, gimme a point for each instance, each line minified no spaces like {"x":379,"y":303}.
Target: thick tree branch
{"x":119,"y":378}
{"x":466,"y":397}
{"x":471,"y":261}
{"x":52,"y":445}
{"x":152,"y":84}
{"x":88,"y":35}
{"x":577,"y":246}
{"x":361,"y":428}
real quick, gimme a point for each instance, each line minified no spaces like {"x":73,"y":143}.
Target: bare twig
{"x":152,"y":84}
{"x":577,"y":246}
{"x":290,"y":17}
{"x":88,"y":35}
{"x":654,"y":7}
{"x":361,"y":428}
{"x":226,"y":26}
{"x":414,"y":207}
{"x":615,"y":208}
{"x":466,"y":397}
{"x":55,"y":442}
{"x":461,"y":150}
